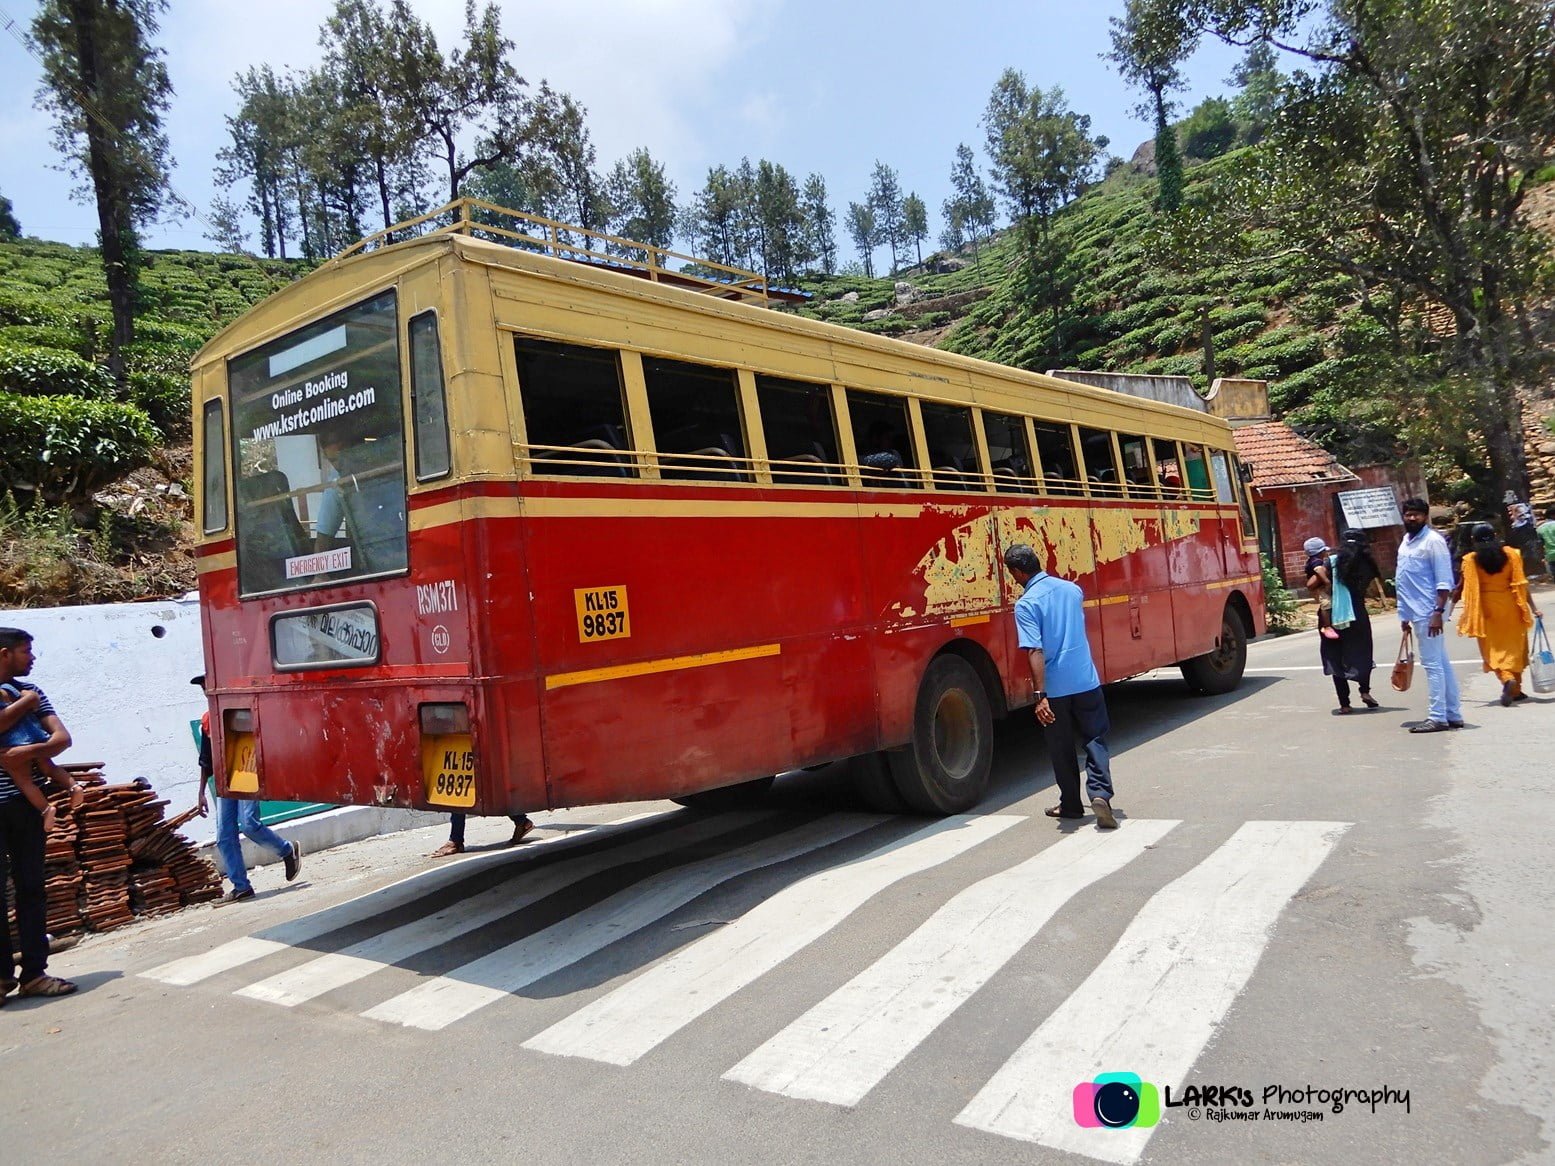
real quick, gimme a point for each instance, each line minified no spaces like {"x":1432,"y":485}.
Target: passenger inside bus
{"x":367,"y":496}
{"x":268,"y":530}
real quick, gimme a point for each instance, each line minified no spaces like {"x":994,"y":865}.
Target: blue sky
{"x":826,"y":87}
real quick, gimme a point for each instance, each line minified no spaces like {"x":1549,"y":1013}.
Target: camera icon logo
{"x":1116,"y":1101}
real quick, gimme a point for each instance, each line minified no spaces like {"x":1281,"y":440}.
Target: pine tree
{"x":107,"y":87}
{"x":820,"y":226}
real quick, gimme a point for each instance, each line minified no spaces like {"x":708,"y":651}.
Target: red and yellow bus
{"x":489,"y":530}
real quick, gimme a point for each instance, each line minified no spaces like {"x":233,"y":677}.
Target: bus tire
{"x":945,"y":769}
{"x":1220,"y":671}
{"x":874,"y":786}
{"x":727,"y":797}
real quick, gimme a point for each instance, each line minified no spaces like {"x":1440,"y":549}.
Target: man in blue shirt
{"x":1050,"y":624}
{"x":1423,"y":582}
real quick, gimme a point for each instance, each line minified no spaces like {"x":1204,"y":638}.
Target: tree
{"x":714,"y":219}
{"x":1042,"y":151}
{"x":642,"y":199}
{"x":474,"y":93}
{"x":865,"y":235}
{"x":915,"y":222}
{"x":226,"y":228}
{"x":972,"y":206}
{"x":1259,"y":83}
{"x":780,"y":220}
{"x":9,"y":227}
{"x":885,"y":199}
{"x":362,"y":51}
{"x":1210,"y":129}
{"x":1149,"y":45}
{"x":952,"y":236}
{"x":560,"y":162}
{"x":820,"y":225}
{"x":261,"y":152}
{"x":108,"y":89}
{"x":1403,"y":158}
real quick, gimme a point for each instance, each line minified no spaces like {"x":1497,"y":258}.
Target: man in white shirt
{"x":1423,"y":581}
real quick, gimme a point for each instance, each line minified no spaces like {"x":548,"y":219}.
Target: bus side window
{"x":574,"y":409}
{"x":1243,"y":491}
{"x":215,"y":450}
{"x":1008,"y":455}
{"x":1137,"y":468}
{"x":1055,"y":446}
{"x":428,"y":402}
{"x":952,"y":452}
{"x":801,"y":433}
{"x":1101,"y":469}
{"x":882,"y":434}
{"x":1167,"y":468}
{"x":696,"y":421}
{"x":1198,"y":473}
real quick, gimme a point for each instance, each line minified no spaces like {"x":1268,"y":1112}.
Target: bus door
{"x":1120,"y":537}
{"x":1066,"y":546}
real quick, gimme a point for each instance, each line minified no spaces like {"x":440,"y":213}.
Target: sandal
{"x":521,"y":830}
{"x":1342,"y":711}
{"x":6,"y":988}
{"x":1370,"y":701}
{"x":1058,"y":812}
{"x":47,"y":986}
{"x":446,"y":849}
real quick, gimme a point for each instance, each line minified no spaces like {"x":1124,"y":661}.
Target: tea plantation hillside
{"x":93,"y":482}
{"x":1129,"y":303}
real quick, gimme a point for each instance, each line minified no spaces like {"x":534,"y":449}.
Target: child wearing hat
{"x":1319,"y":585}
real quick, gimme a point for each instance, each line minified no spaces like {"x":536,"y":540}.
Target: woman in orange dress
{"x":1497,"y":609}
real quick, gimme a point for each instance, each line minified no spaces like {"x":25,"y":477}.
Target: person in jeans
{"x":1424,"y":584}
{"x":522,"y":827}
{"x":1050,"y":625}
{"x":235,"y":815}
{"x":22,"y":830}
{"x":1546,"y":531}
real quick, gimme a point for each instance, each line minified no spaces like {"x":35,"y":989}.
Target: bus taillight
{"x":242,"y":755}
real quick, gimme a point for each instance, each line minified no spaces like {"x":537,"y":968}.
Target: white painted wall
{"x":118,"y":675}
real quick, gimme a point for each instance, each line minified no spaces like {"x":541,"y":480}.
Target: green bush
{"x":46,"y":336}
{"x":20,"y":305}
{"x":64,"y":449}
{"x":33,"y":371}
{"x":165,"y":398}
{"x":1279,"y":605}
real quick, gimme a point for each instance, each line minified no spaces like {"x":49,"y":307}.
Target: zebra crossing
{"x":1168,"y":982}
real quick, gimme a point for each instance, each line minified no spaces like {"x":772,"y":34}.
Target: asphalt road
{"x":1294,"y":901}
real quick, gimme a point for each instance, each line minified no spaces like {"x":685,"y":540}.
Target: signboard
{"x":1369,"y":509}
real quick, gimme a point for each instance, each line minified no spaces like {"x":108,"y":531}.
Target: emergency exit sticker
{"x":602,"y":613}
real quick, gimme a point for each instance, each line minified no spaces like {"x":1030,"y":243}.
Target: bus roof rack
{"x":484,"y":220}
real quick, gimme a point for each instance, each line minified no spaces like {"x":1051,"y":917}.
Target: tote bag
{"x":1541,"y":660}
{"x":1404,"y":666}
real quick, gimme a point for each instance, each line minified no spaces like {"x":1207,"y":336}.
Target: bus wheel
{"x":729,"y":797}
{"x":1220,"y":670}
{"x":945,"y":769}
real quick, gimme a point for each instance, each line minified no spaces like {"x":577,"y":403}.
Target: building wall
{"x":1304,"y":511}
{"x":118,"y":675}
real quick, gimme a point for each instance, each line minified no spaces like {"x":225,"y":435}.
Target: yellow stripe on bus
{"x":648,"y":667}
{"x":967,"y":621}
{"x":1237,"y":582}
{"x":226,"y":561}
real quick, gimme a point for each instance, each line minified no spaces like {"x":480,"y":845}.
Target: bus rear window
{"x":320,"y":453}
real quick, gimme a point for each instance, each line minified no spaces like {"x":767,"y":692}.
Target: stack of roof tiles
{"x":116,"y":857}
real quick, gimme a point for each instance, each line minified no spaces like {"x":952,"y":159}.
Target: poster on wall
{"x":1370,"y":509}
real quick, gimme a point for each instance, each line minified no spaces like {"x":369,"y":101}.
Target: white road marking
{"x":844,"y":1046}
{"x":1153,"y":1003}
{"x":337,"y":969}
{"x":439,"y":1002}
{"x":193,"y":969}
{"x":620,"y":1027}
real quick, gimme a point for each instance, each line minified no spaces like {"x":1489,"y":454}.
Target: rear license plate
{"x":448,"y":770}
{"x":242,"y":764}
